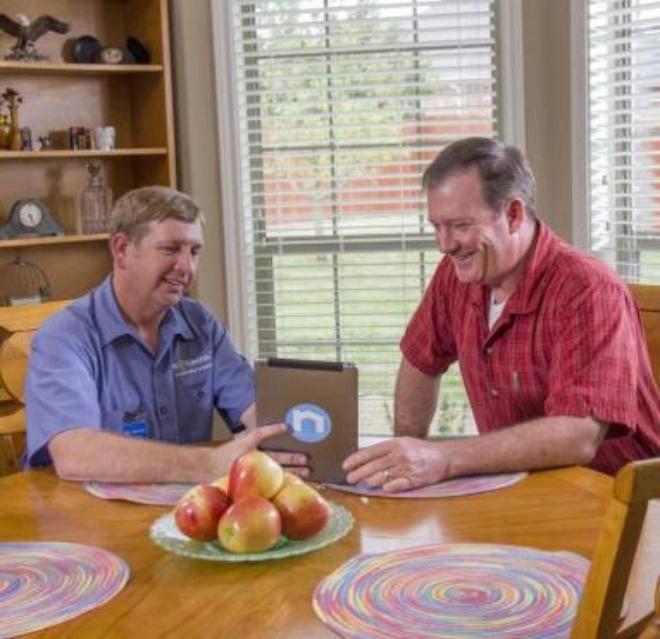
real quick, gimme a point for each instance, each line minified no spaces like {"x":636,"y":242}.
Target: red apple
{"x":303,"y":511}
{"x":287,"y":480}
{"x":249,"y":525}
{"x":198,"y":512}
{"x":254,"y":474}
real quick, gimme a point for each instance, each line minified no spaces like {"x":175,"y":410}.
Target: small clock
{"x":111,"y":55}
{"x":30,"y":217}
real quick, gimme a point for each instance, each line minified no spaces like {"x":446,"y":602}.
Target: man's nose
{"x":186,"y":261}
{"x":444,"y":239}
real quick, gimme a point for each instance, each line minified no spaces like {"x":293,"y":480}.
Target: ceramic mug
{"x":104,"y":137}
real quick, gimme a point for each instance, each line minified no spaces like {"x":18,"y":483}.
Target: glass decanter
{"x":95,"y":202}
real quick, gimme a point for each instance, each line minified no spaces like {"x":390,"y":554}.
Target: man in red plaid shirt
{"x":548,"y":339}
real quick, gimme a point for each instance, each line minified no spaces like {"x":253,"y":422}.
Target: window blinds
{"x":624,"y":135}
{"x":341,"y":104}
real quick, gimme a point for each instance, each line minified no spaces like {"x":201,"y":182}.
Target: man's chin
{"x":467,"y":274}
{"x":172,"y":296}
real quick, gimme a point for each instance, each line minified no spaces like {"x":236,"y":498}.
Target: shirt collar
{"x":529,"y":292}
{"x":112,"y":325}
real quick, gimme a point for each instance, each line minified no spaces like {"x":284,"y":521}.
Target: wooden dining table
{"x":169,"y":595}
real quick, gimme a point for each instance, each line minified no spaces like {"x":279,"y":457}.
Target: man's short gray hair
{"x":134,"y":210}
{"x":504,"y":171}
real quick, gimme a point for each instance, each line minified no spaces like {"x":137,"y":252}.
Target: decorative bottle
{"x":5,"y":131}
{"x":95,"y":202}
{"x":12,"y":99}
{"x":14,"y":129}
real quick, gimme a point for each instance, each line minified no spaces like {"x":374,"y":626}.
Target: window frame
{"x":510,"y":105}
{"x":581,"y":154}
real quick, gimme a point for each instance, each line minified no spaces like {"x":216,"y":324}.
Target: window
{"x":624,"y":135}
{"x":330,"y":111}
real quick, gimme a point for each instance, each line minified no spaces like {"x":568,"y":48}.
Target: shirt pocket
{"x":196,"y":389}
{"x":195,"y":406}
{"x":526,"y":388}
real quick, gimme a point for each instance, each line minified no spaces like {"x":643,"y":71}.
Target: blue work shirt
{"x":89,"y":367}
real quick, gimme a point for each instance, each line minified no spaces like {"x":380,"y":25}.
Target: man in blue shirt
{"x":123,"y":377}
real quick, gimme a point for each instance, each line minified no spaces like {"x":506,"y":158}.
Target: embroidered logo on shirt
{"x":190,"y":366}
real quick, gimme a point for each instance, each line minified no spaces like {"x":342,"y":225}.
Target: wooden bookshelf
{"x":60,"y":93}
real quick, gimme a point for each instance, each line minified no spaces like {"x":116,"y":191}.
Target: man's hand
{"x":403,"y":463}
{"x":296,"y":463}
{"x":398,"y":464}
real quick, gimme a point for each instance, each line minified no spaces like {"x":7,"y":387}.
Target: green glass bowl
{"x":166,"y":535}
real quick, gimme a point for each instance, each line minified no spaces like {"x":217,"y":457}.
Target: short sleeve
{"x":428,"y":342}
{"x":595,"y":363}
{"x":60,"y":389}
{"x":234,"y":389}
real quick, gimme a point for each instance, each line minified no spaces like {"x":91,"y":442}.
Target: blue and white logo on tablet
{"x":308,"y":423}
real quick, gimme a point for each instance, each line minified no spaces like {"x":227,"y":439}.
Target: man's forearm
{"x":547,"y":442}
{"x":89,"y":454}
{"x":86,"y":454}
{"x":415,"y":401}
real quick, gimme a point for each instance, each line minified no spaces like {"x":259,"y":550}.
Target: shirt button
{"x":493,"y":392}
{"x":489,"y":350}
{"x":163,"y":410}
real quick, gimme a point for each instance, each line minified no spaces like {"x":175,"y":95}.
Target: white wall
{"x":547,"y":63}
{"x":197,"y":138}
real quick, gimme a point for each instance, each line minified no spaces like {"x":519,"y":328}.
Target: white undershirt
{"x":494,"y":311}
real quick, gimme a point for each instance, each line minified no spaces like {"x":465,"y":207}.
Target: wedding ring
{"x":388,"y":474}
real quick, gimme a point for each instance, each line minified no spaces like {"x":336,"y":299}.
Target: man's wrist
{"x":409,"y":430}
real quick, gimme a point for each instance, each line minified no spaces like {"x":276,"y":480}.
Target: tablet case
{"x":319,"y":403}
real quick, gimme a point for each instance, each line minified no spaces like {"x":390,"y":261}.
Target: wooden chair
{"x":648,"y":301}
{"x":652,"y":631}
{"x":14,"y":353}
{"x":12,"y":438}
{"x":17,"y":326}
{"x":601,"y":613}
{"x":27,"y":318}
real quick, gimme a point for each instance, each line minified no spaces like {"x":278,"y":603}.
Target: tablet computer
{"x":318,"y":401}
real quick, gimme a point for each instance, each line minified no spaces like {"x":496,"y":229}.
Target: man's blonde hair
{"x":133,"y":211}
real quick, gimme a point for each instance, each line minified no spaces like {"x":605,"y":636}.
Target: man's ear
{"x":118,"y":246}
{"x":515,"y":214}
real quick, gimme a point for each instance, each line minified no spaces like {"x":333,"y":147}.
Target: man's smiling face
{"x":161,"y":265}
{"x":474,"y":236}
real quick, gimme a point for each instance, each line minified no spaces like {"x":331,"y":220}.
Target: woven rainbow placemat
{"x":43,"y":584}
{"x":151,"y":494}
{"x":458,"y":487}
{"x":453,"y":591}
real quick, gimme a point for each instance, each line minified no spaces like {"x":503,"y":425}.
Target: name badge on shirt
{"x":135,"y":425}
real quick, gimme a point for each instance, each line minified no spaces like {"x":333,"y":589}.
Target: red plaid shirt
{"x":569,"y":342}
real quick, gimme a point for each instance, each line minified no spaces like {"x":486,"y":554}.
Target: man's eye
{"x":462,"y":226}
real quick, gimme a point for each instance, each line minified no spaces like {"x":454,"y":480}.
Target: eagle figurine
{"x":27,"y":32}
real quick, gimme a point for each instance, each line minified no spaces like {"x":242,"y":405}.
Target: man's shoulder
{"x":581,"y":266}
{"x":71,"y":329}
{"x":75,"y":316}
{"x":569,"y":264}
